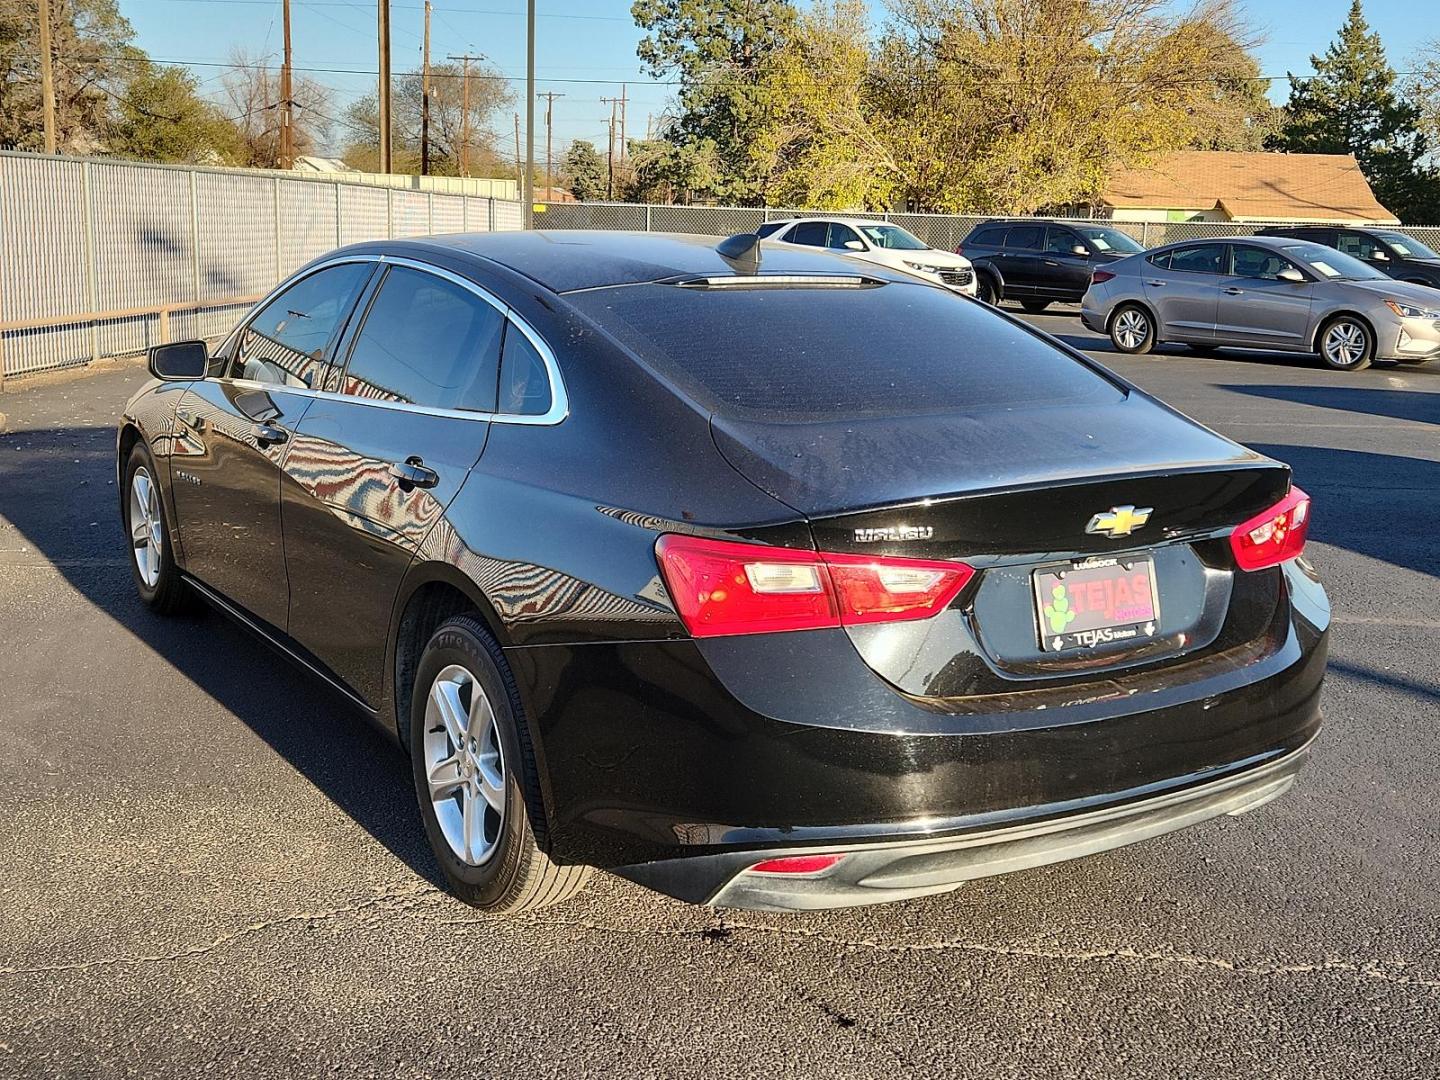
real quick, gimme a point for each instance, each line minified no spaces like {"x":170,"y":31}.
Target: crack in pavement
{"x":391,"y":901}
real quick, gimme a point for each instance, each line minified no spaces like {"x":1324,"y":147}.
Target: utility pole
{"x":519,"y":174}
{"x":465,"y":109}
{"x":649,"y":122}
{"x":424,"y":98}
{"x":47,"y":77}
{"x":623,"y":98}
{"x":382,"y":98}
{"x":610,"y":148}
{"x":549,"y":97}
{"x":530,"y":114}
{"x":287,"y":114}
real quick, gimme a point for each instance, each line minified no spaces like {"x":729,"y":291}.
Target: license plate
{"x":1096,"y":602}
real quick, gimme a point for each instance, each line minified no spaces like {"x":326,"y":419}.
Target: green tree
{"x":718,"y":51}
{"x":90,"y":45}
{"x":1014,"y":106}
{"x":1351,"y":106}
{"x":582,"y":170}
{"x":824,"y":144}
{"x":159,"y":117}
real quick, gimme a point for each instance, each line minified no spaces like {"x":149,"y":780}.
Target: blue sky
{"x":586,"y":48}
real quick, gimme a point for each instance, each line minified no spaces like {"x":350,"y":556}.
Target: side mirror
{"x":1290,"y":274}
{"x":854,"y":245}
{"x":1081,"y":250}
{"x":1380,"y":256}
{"x":181,"y":360}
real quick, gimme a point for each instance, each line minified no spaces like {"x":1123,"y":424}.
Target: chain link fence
{"x":944,"y":231}
{"x":104,"y":258}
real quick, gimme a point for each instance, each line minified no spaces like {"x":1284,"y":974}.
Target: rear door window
{"x":427,"y":341}
{"x":810,"y":233}
{"x":1025,"y":238}
{"x":1201,"y":259}
{"x":989,"y":238}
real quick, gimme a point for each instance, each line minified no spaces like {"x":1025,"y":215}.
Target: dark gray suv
{"x":1039,"y":262}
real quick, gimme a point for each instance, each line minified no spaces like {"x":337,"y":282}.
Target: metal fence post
{"x":492,"y":213}
{"x":430,"y":213}
{"x":195,"y":235}
{"x":91,"y":271}
{"x":389,"y":213}
{"x":279,"y":269}
{"x":336,"y":189}
{"x":647,"y":218}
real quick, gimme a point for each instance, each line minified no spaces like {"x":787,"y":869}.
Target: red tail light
{"x":1100,"y":275}
{"x":1278,"y":534}
{"x":721,"y":587}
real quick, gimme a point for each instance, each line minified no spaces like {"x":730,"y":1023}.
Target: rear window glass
{"x":801,"y":354}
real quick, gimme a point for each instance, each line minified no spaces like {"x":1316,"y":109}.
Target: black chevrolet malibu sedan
{"x":755,"y":576}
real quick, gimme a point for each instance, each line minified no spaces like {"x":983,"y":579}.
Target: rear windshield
{"x":804,"y":354}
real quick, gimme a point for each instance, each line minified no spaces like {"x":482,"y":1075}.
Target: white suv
{"x":876,"y":241}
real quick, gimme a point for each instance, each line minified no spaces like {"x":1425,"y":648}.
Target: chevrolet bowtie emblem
{"x":1119,"y":520}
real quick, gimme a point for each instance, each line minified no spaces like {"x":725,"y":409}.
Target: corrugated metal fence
{"x":943,"y":231}
{"x":104,"y":258}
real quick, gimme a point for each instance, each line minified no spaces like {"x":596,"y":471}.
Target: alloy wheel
{"x":1345,"y":343}
{"x":146,"y":534}
{"x":464,"y":765}
{"x":1131,"y":329}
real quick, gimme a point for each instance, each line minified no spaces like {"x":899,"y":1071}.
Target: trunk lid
{"x":1012,"y":493}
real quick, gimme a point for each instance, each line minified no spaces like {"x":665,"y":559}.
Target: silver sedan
{"x":1263,"y":292}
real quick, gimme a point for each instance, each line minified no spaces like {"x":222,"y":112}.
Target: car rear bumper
{"x":873,"y":874}
{"x":665,"y":760}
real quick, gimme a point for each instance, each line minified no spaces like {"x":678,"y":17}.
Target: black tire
{"x":1138,"y":320}
{"x":1034,"y":307}
{"x":1352,"y":347}
{"x":167,"y":594}
{"x":985,"y":290}
{"x":516,"y":875}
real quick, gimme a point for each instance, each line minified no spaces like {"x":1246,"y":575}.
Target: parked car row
{"x":1350,"y":295}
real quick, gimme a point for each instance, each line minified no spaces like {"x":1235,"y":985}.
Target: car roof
{"x":839,"y":219}
{"x":1256,"y":240}
{"x":564,"y":260}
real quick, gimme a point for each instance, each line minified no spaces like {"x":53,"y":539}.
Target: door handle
{"x":1232,"y":291}
{"x":269,"y":434}
{"x":1051,"y":262}
{"x":413,"y":473}
{"x":1155,"y":284}
{"x":190,"y":419}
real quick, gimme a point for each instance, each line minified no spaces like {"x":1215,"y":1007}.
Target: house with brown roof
{"x":1223,"y":185}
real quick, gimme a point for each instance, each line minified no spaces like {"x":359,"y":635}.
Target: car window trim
{"x":559,"y":399}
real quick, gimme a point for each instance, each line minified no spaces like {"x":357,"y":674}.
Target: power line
{"x":413,"y":7}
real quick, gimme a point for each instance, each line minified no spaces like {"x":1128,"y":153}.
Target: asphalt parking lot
{"x":209,"y":866}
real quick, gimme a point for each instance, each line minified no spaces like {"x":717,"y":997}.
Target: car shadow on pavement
{"x":1358,"y":505}
{"x":76,"y":528}
{"x":1397,"y":404}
